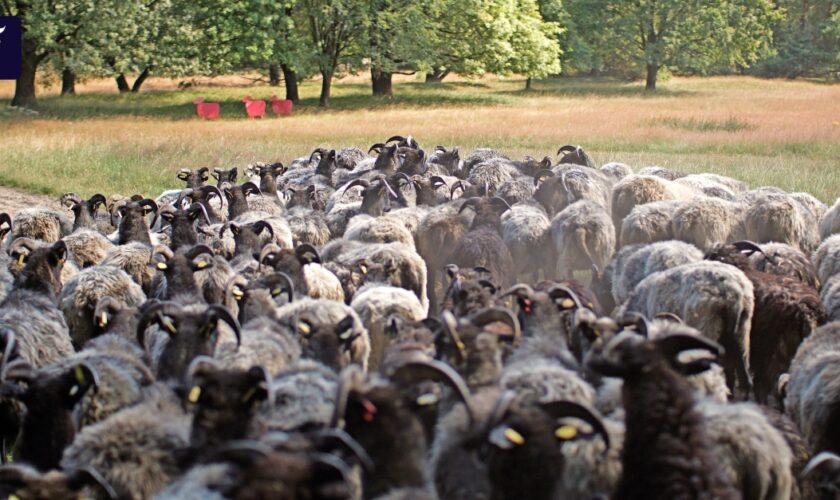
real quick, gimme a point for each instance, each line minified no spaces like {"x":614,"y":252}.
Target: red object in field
{"x":255,"y":109}
{"x":281,"y":107}
{"x":207,"y":110}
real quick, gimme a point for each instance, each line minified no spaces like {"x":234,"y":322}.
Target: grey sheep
{"x":780,"y":218}
{"x":639,"y":189}
{"x":133,"y":258}
{"x":526,"y":231}
{"x":812,"y":393}
{"x":648,"y":223}
{"x":616,"y":171}
{"x":135,"y":448}
{"x":643,"y":261}
{"x":713,"y":297}
{"x":830,"y":221}
{"x":303,"y":395}
{"x":382,"y":229}
{"x":827,"y":258}
{"x":374,"y":303}
{"x":308,"y":226}
{"x":88,"y":247}
{"x":662,"y":172}
{"x":830,"y":297}
{"x":41,"y":224}
{"x":704,"y":222}
{"x":583,"y":237}
{"x":80,"y":295}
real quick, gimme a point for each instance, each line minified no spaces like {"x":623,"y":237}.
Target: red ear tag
{"x":526,"y":306}
{"x":370,"y":411}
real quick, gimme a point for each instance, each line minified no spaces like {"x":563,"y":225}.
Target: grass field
{"x":765,"y":132}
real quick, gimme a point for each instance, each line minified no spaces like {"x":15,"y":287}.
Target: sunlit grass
{"x":784,"y":133}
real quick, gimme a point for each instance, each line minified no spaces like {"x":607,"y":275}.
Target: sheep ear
{"x":562,"y":409}
{"x":58,"y":254}
{"x":78,"y":380}
{"x":202,"y":262}
{"x":261,"y":389}
{"x":345,"y":330}
{"x":693,"y":367}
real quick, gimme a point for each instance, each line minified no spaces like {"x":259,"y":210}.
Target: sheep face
{"x":329,"y":344}
{"x":224,"y":401}
{"x":247,"y":238}
{"x":42,"y":269}
{"x":190,"y":333}
{"x":225,"y":176}
{"x":182,"y":222}
{"x":179,"y":268}
{"x":237,"y":198}
{"x":194,"y":178}
{"x":133,"y":226}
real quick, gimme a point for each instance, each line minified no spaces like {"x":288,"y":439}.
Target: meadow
{"x":765,"y":132}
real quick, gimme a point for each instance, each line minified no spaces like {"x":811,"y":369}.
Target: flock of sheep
{"x":400,"y":324}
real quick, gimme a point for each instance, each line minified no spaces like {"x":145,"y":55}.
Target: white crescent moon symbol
{"x":2,"y":29}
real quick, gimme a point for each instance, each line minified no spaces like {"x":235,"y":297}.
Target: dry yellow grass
{"x":785,"y":133}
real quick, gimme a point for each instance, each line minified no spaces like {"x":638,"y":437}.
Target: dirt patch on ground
{"x":13,"y":201}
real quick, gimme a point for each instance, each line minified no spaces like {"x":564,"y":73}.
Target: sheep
{"x":437,"y":235}
{"x":447,"y":161}
{"x":30,"y":310}
{"x":308,"y":226}
{"x":21,"y":248}
{"x":525,"y":230}
{"x":88,"y":247}
{"x":583,"y":237}
{"x":85,"y":212}
{"x":827,"y":258}
{"x":50,"y":395}
{"x":79,"y":296}
{"x":182,"y":223}
{"x":525,"y":446}
{"x":662,"y":172}
{"x":41,"y":224}
{"x":133,"y":258}
{"x":222,"y":176}
{"x":713,"y":297}
{"x":304,"y":397}
{"x":811,"y":393}
{"x":136,"y":448}
{"x":635,"y":190}
{"x":176,"y":280}
{"x":575,"y":155}
{"x":133,"y":226}
{"x":478,"y":156}
{"x":303,"y":266}
{"x":194,"y":178}
{"x":784,"y":260}
{"x":374,"y":304}
{"x":616,"y":171}
{"x":383,"y":229}
{"x":566,"y":185}
{"x":492,"y":173}
{"x":204,"y":196}
{"x":237,"y":198}
{"x":648,"y":223}
{"x":667,"y":450}
{"x":830,"y":297}
{"x":637,"y":263}
{"x":830,"y":221}
{"x":704,"y":222}
{"x":323,"y":314}
{"x":482,"y":245}
{"x":780,"y":218}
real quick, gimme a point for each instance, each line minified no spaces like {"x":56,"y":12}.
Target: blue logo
{"x":10,"y":52}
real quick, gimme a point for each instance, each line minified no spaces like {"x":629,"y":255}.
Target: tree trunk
{"x":528,"y":83}
{"x":381,"y":82}
{"x":139,"y":81}
{"x":290,"y":77}
{"x":273,"y":75}
{"x":436,"y":75}
{"x":650,"y":82}
{"x":122,"y":84}
{"x":68,"y":82}
{"x":326,"y":85}
{"x":25,"y":85}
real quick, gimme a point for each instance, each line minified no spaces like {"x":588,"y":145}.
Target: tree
{"x":688,"y":35}
{"x":536,"y":50}
{"x":334,"y":27}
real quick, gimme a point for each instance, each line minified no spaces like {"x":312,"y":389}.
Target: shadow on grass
{"x":348,"y":97}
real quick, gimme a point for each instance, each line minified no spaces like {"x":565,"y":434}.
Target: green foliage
{"x":686,"y":36}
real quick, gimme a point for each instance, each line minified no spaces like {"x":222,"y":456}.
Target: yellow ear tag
{"x":514,"y":437}
{"x":276,"y":292}
{"x":103,"y":320}
{"x":238,"y":293}
{"x":14,"y":497}
{"x":168,"y":325}
{"x":194,"y":394}
{"x":363,"y":269}
{"x":304,"y":328}
{"x":20,"y":259}
{"x":461,"y":346}
{"x":818,"y":283}
{"x":566,"y":432}
{"x":248,"y":395}
{"x":161,"y":266}
{"x":201,"y":264}
{"x":80,"y":374}
{"x":346,"y":335}
{"x":427,"y":400}
{"x":567,"y":304}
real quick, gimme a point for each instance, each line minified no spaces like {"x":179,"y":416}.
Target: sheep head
{"x":225,"y":176}
{"x":42,"y":269}
{"x":133,"y":226}
{"x":179,"y":269}
{"x":237,"y":198}
{"x":194,"y":178}
{"x":575,"y":155}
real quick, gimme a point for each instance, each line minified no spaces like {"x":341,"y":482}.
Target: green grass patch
{"x":730,"y":124}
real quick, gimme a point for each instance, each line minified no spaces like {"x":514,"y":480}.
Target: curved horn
{"x":819,"y":461}
{"x":203,"y":170}
{"x":9,"y":348}
{"x":637,"y":320}
{"x":435,"y":371}
{"x":497,"y":314}
{"x":520,"y":288}
{"x":555,"y":290}
{"x":96,"y":200}
{"x":351,"y":377}
{"x":261,"y":226}
{"x":747,"y":245}
{"x":459,"y":184}
{"x":355,"y":182}
{"x":197,"y":250}
{"x":470,"y":203}
{"x":388,"y":187}
{"x":672,"y":345}
{"x":152,"y":315}
{"x":437,"y":181}
{"x":251,"y":188}
{"x":667,"y":316}
{"x":197,"y":364}
{"x":397,"y":138}
{"x":339,"y":436}
{"x":72,"y":198}
{"x":376,"y":147}
{"x":561,"y":409}
{"x":290,"y":285}
{"x":88,"y":476}
{"x":217,"y":313}
{"x":198,"y":207}
{"x":500,"y":203}
{"x":567,"y":149}
{"x":215,"y":190}
{"x":269,"y":249}
{"x":305,"y":248}
{"x":319,"y":151}
{"x":148,"y":202}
